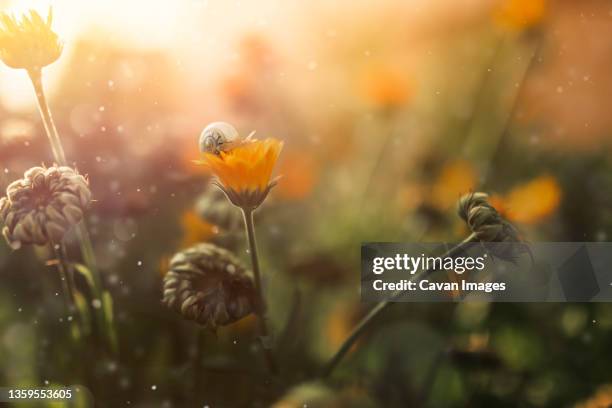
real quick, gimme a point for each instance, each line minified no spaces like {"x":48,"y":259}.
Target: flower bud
{"x":42,"y":206}
{"x":209,"y":285}
{"x":488,"y":226}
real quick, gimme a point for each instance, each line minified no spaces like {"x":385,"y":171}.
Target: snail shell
{"x":216,"y":135}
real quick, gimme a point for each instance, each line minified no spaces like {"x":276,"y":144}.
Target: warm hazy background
{"x":389,"y":112}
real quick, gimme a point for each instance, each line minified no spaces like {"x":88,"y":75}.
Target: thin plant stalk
{"x":378,"y":159}
{"x":261,"y":307}
{"x":45,"y":113}
{"x":534,"y":58}
{"x":364,"y":323}
{"x":67,"y":290}
{"x":62,"y":268}
{"x":60,"y":158}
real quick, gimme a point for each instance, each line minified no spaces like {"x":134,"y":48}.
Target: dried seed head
{"x":42,"y":206}
{"x":484,"y":220}
{"x":209,"y":285}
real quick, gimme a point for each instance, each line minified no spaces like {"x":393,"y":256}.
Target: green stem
{"x":377,"y":310}
{"x":63,"y":272}
{"x":60,"y":158}
{"x":45,"y":113}
{"x":261,"y":307}
{"x":68,"y":291}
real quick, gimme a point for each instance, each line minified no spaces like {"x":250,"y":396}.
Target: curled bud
{"x":209,"y":285}
{"x":484,"y":220}
{"x":42,"y":206}
{"x":488,"y":226}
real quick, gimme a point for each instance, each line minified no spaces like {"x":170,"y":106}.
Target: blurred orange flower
{"x":520,"y":14}
{"x":601,"y":399}
{"x":456,"y":178}
{"x":300,"y":174}
{"x":531,"y":202}
{"x":244,"y":172}
{"x":386,"y":87}
{"x":195,"y":229}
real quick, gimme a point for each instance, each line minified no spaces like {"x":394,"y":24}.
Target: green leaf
{"x":107,"y":305}
{"x":84,"y":311}
{"x":84,"y":270}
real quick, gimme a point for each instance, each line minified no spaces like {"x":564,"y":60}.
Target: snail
{"x":220,"y":137}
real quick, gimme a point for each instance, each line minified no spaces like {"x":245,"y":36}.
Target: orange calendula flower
{"x":520,"y":14}
{"x":244,"y":172}
{"x":28,"y":43}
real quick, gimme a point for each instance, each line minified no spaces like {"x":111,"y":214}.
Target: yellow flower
{"x":244,"y":172}
{"x":28,"y":43}
{"x":520,"y":14}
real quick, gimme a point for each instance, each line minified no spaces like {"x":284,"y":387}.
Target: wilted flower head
{"x":28,"y":43}
{"x":42,"y":206}
{"x":209,"y":285}
{"x":244,"y":172}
